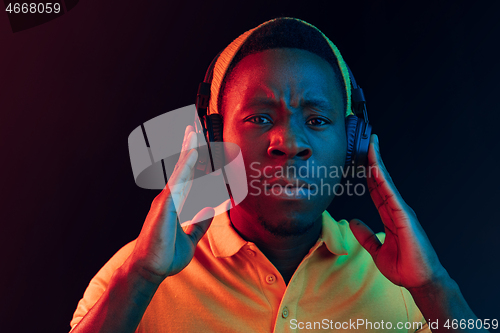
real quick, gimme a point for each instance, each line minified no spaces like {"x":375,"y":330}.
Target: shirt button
{"x":284,"y":314}
{"x":250,"y":252}
{"x":270,"y":279}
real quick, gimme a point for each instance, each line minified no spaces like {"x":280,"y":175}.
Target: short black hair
{"x":283,"y":33}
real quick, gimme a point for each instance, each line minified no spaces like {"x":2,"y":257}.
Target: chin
{"x":286,"y":227}
{"x":285,"y":218}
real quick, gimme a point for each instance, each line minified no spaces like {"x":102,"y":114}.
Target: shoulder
{"x":106,"y":272}
{"x":362,"y":272}
{"x":100,"y":282}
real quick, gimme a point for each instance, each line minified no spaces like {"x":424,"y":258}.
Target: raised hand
{"x":406,"y":257}
{"x":163,"y":248}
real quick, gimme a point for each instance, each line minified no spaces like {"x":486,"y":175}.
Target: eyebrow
{"x":319,"y":103}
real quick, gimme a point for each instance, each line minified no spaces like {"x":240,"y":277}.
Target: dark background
{"x":72,"y":89}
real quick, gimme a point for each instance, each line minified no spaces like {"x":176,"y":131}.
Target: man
{"x":277,"y":262}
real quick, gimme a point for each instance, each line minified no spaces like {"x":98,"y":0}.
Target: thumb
{"x":365,"y":236}
{"x":198,"y":226}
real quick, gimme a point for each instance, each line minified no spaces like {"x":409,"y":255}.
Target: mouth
{"x":289,"y":183}
{"x":288,"y":189}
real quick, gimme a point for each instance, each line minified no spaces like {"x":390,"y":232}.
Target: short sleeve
{"x":100,"y":282}
{"x":425,"y":329}
{"x":414,"y":315}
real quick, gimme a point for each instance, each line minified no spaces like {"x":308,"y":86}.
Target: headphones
{"x":358,"y":128}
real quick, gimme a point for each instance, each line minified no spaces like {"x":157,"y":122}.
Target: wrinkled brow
{"x":316,"y":103}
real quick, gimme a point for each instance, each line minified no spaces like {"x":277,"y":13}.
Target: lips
{"x":288,"y":189}
{"x":289,"y":183}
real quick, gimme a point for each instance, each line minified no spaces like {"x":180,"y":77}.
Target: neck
{"x":285,"y":253}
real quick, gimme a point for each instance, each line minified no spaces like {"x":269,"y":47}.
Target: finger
{"x":191,"y":144}
{"x":186,"y":187}
{"x":375,"y":179}
{"x":381,"y":175}
{"x":176,"y":196}
{"x":186,"y":146}
{"x":384,"y":193}
{"x":192,"y":139}
{"x":199,"y":225}
{"x":183,"y":167}
{"x":365,"y":236}
{"x":186,"y":133}
{"x":183,"y":177}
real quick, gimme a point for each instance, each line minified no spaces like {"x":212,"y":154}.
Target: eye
{"x":259,"y":120}
{"x":317,"y":122}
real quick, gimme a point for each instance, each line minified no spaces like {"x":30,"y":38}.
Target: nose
{"x":289,"y":140}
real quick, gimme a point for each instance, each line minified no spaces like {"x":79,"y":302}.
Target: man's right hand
{"x":163,"y":248}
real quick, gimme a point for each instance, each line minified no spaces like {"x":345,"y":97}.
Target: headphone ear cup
{"x":357,"y":143}
{"x":351,"y":123}
{"x":217,"y":148}
{"x":362,"y":144}
{"x":216,"y":126}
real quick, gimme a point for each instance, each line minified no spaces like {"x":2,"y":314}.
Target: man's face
{"x":284,"y":109}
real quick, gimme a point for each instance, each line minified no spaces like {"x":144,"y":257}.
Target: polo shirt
{"x":230,"y":286}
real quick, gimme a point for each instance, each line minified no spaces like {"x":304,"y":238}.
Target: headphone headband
{"x":358,"y":128}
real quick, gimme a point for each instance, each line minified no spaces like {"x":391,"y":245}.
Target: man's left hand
{"x":406,"y":257}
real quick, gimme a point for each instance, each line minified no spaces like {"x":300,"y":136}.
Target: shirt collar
{"x":225,"y":241}
{"x":333,"y":234}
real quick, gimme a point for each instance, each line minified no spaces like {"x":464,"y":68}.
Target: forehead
{"x":284,"y":73}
